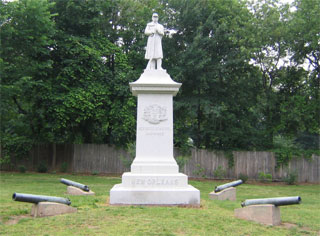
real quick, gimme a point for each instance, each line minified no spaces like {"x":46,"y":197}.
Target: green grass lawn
{"x":96,"y":217}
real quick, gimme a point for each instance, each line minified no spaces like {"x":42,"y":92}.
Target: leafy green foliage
{"x":64,"y":80}
{"x":95,"y":173}
{"x":42,"y":167}
{"x":287,"y":148}
{"x":207,"y":54}
{"x":64,"y":167}
{"x":243,"y":177}
{"x":291,"y":178}
{"x":265,"y":177}
{"x":200,"y":171}
{"x":219,"y":173}
{"x":22,"y":169}
{"x":304,"y":34}
{"x":181,"y":161}
{"x":230,"y":157}
{"x":26,"y":36}
{"x":128,"y":159}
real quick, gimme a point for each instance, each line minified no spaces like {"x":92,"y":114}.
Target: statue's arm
{"x":148,"y":31}
{"x":160,"y":30}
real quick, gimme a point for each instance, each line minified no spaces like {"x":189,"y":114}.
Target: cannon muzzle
{"x":75,"y":184}
{"x":278,"y":201}
{"x":228,"y":185}
{"x":23,"y":197}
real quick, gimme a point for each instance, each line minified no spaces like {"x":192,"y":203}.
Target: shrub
{"x":64,"y":167}
{"x":219,"y":173}
{"x":181,"y":161}
{"x":128,"y":159}
{"x":243,"y":177}
{"x":5,"y":160}
{"x":291,"y":178}
{"x":265,"y":177}
{"x":95,"y":173}
{"x":269,"y":177}
{"x":42,"y":168}
{"x":200,"y":171}
{"x":22,"y":169}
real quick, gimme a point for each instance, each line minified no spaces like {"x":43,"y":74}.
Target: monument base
{"x":120,"y":195}
{"x":154,"y":189}
{"x":43,"y":209}
{"x":267,"y":214}
{"x":76,"y":191}
{"x":226,"y":194}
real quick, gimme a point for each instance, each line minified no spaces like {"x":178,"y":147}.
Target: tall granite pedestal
{"x":154,"y":178}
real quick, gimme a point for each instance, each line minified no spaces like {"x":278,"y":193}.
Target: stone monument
{"x":154,"y":178}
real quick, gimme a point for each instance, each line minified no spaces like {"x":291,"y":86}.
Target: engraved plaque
{"x":154,"y":114}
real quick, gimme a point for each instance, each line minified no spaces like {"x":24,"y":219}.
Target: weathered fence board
{"x":307,"y":170}
{"x":252,"y":163}
{"x":99,"y":158}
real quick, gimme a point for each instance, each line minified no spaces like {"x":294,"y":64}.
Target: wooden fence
{"x":105,"y":159}
{"x":215,"y":164}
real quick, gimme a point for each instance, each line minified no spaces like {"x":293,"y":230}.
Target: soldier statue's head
{"x":155,"y":17}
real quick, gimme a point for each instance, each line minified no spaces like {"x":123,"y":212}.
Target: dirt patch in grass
{"x":302,"y":229}
{"x":288,"y":225}
{"x":92,"y":227}
{"x":14,"y":219}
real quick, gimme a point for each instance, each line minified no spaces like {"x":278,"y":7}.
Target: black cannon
{"x":23,"y":197}
{"x":228,"y":185}
{"x":75,"y":184}
{"x":278,"y":201}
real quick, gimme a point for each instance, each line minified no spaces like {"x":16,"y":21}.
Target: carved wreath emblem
{"x":154,"y":114}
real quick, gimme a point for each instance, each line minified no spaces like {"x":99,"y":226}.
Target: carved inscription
{"x":155,"y":182}
{"x":154,"y":114}
{"x":157,"y":131}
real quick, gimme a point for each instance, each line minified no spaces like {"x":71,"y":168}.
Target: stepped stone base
{"x":43,"y":209}
{"x":226,"y":194}
{"x":77,"y":191}
{"x":266,"y":214}
{"x":188,"y":195}
{"x":154,"y":189}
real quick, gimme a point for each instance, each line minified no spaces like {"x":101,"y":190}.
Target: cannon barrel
{"x":23,"y":197}
{"x":278,"y":201}
{"x":75,"y":184}
{"x":228,"y":185}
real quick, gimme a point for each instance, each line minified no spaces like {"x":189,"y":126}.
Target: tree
{"x":304,"y":32}
{"x":304,"y":45}
{"x":290,"y":93}
{"x":64,"y":80}
{"x":26,"y":39}
{"x":270,"y":51}
{"x":92,"y":98}
{"x":209,"y":54}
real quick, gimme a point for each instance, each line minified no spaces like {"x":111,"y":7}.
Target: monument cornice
{"x":155,"y":81}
